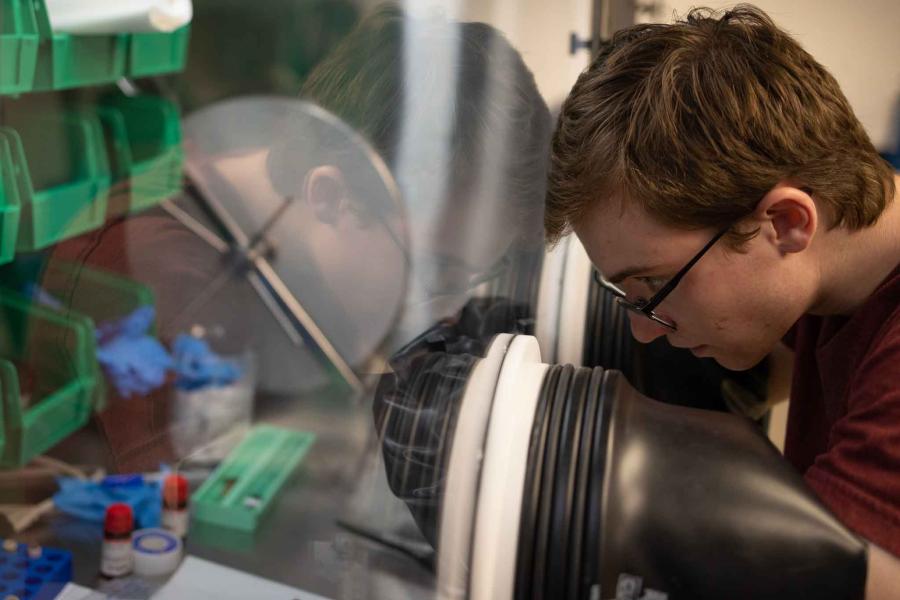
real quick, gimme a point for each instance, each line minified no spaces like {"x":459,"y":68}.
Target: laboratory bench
{"x":299,"y":542}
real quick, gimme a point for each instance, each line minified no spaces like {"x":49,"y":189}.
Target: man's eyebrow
{"x":626,"y":273}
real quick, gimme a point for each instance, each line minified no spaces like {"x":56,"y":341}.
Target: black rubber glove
{"x":700,"y":505}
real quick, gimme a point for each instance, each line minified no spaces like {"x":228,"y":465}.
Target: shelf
{"x":62,"y":177}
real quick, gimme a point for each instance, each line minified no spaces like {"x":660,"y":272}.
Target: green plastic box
{"x":18,"y":46}
{"x":62,"y":176}
{"x":99,"y":295}
{"x":143,"y":139}
{"x":158,"y":53}
{"x":67,"y":61}
{"x":57,"y":356}
{"x":242,"y":489}
{"x":9,"y":204}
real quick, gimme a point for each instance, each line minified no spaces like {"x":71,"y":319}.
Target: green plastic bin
{"x":50,"y":395}
{"x":143,"y":139}
{"x":18,"y":46}
{"x":67,"y":61}
{"x":99,"y":295}
{"x":9,"y":204}
{"x":62,"y":176}
{"x":158,"y":53}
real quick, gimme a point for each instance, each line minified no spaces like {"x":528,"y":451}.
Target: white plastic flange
{"x":464,"y":470}
{"x":494,"y":551}
{"x":550,"y":296}
{"x":573,"y":307}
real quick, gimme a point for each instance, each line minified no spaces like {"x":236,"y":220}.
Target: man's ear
{"x":789,"y":216}
{"x":325,"y":191}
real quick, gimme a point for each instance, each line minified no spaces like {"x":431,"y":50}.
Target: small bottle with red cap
{"x":175,"y":505}
{"x":116,"y":557}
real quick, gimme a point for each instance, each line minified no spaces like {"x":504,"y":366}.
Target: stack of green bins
{"x":9,"y":204}
{"x":68,"y":61}
{"x":143,"y":135}
{"x":48,"y":376}
{"x":33,"y":57}
{"x":18,"y":46}
{"x":50,"y":380}
{"x":62,"y":176}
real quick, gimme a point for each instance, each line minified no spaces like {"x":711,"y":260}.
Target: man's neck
{"x":856,"y":262}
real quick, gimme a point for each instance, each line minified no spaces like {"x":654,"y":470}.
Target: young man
{"x":724,"y":189}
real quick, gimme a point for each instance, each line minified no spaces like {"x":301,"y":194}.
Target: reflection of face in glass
{"x":457,"y":116}
{"x":321,"y":209}
{"x":359,"y":255}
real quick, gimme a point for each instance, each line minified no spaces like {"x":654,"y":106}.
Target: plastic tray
{"x":62,"y":176}
{"x":18,"y":46}
{"x":58,"y":356}
{"x":245,"y":485}
{"x":158,"y":53}
{"x":67,"y":61}
{"x":9,"y":204}
{"x":143,"y":135}
{"x":30,"y":577}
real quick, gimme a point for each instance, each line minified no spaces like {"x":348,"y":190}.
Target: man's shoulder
{"x":882,"y":311}
{"x":875,"y":318}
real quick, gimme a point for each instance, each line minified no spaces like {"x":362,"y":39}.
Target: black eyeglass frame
{"x":646,"y":308}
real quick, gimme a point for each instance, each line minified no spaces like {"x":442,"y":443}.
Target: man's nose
{"x":644,"y":330}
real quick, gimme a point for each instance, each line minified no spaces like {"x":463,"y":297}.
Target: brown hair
{"x":365,"y":82}
{"x":697,"y":120}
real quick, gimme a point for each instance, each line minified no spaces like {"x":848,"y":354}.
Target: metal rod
{"x":195,"y":226}
{"x":282,"y":299}
{"x":304,"y":320}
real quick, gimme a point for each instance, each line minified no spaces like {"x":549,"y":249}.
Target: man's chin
{"x":736,"y":362}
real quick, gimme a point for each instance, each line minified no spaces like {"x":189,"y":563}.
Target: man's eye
{"x":654,"y":284}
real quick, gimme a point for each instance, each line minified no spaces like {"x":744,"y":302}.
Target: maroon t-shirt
{"x":843,"y":429}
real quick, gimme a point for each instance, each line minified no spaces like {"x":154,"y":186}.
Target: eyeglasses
{"x":646,"y":307}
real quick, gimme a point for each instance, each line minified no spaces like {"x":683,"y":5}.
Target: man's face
{"x":731,"y":306}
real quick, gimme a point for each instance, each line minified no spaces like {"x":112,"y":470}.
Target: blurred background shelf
{"x":61,"y":176}
{"x":10,"y":207}
{"x":143,"y":139}
{"x":18,"y":46}
{"x":48,"y":376}
{"x":34,"y":57}
{"x":158,"y":53}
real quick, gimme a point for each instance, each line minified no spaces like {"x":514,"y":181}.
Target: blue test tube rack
{"x":32,"y":572}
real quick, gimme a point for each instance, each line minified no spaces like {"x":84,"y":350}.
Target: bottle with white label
{"x":175,"y":505}
{"x":116,"y":557}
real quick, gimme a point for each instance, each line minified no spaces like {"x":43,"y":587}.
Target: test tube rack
{"x":31,"y":572}
{"x":245,"y":485}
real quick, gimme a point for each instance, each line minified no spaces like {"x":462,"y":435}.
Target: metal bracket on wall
{"x":577,"y":43}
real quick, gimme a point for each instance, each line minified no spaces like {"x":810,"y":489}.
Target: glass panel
{"x":314,"y":218}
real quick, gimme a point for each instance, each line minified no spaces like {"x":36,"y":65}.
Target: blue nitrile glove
{"x":38,"y":295}
{"x":135,"y":362}
{"x":198,"y":366}
{"x":134,"y":324}
{"x":89,"y":499}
